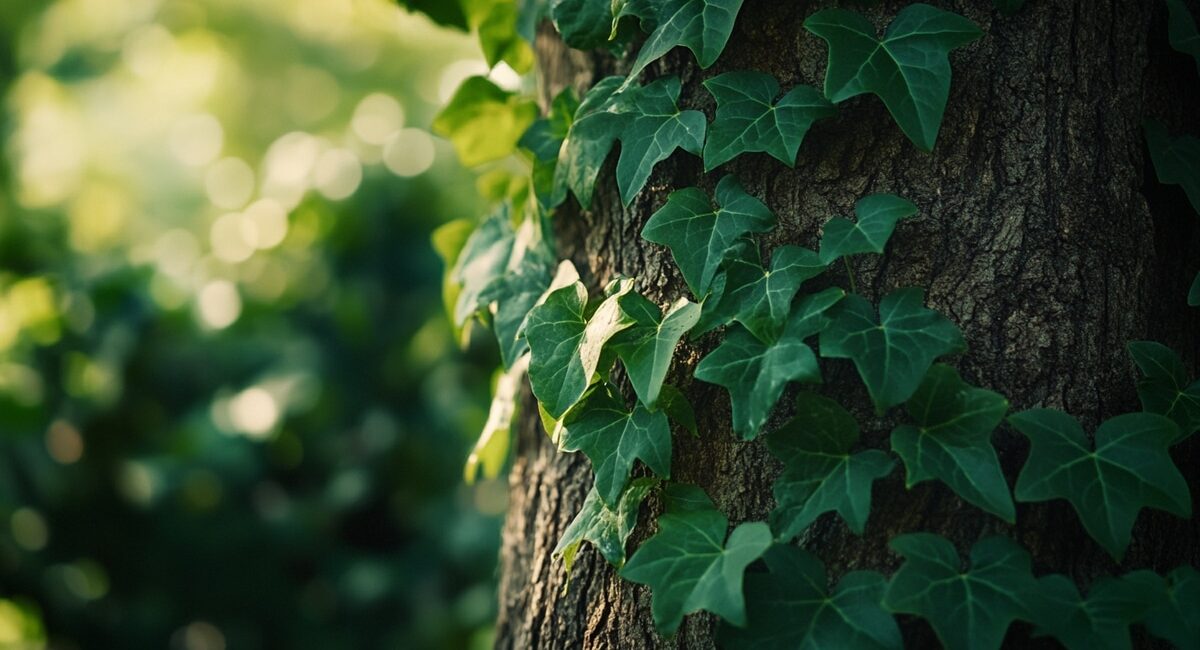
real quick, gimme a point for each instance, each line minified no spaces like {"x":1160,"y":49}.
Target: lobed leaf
{"x":646,"y":348}
{"x":606,"y":528}
{"x":877,"y":218}
{"x":1102,"y":620}
{"x":1181,"y":31}
{"x":758,"y":298}
{"x":1164,"y":388}
{"x":484,"y":122}
{"x":702,"y":26}
{"x":749,"y":119}
{"x":1176,"y":160}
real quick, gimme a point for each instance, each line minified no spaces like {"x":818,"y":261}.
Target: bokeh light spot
{"x":337,"y":174}
{"x":29,"y":529}
{"x":219,"y":304}
{"x":376,"y":117}
{"x":408,"y":152}
{"x":229,"y":183}
{"x":196,"y":139}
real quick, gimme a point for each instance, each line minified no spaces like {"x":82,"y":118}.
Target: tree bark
{"x":1042,"y":233}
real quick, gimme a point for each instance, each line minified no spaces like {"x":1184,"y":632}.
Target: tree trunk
{"x":1042,"y":234}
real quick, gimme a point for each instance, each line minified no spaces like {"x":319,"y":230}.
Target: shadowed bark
{"x":1042,"y":234}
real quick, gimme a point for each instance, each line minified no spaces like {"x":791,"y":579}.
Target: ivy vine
{"x":503,"y":271}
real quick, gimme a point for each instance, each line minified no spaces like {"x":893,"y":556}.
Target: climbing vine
{"x":503,"y":271}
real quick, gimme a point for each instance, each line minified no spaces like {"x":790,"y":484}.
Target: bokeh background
{"x":232,"y":411}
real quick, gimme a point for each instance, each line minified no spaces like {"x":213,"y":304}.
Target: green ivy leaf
{"x":757,"y":298}
{"x":756,"y":373}
{"x":749,"y":119}
{"x":702,"y":26}
{"x":544,"y":140}
{"x":583,"y":24}
{"x":600,"y":118}
{"x":687,"y":566}
{"x":510,"y":296}
{"x":1164,"y":389}
{"x":967,"y":609}
{"x":790,"y":606}
{"x":1181,"y":30}
{"x":448,"y":240}
{"x":482,"y":261}
{"x":646,"y":11}
{"x":445,"y":13}
{"x":1102,"y":620}
{"x":1009,"y":7}
{"x":491,"y":449}
{"x":565,"y":344}
{"x":1176,"y":161}
{"x":613,"y":437}
{"x":1194,"y":292}
{"x":496,"y":22}
{"x":655,"y":129}
{"x":1173,"y":617}
{"x":699,"y":234}
{"x":892,"y":352}
{"x":951,"y":441}
{"x":647,"y":347}
{"x":1129,"y":469}
{"x":606,"y":528}
{"x":677,"y":407}
{"x":877,"y":218}
{"x":909,"y":69}
{"x":484,"y":122}
{"x":819,"y":472}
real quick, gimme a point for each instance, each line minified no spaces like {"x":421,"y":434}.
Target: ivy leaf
{"x":606,"y":528}
{"x":967,"y":609}
{"x":484,"y":122}
{"x":448,"y":240}
{"x":819,"y":472}
{"x":952,"y":440}
{"x":565,"y":344}
{"x":449,"y":14}
{"x":688,"y":567}
{"x":892,"y":352}
{"x":513,"y":294}
{"x":482,"y":261}
{"x":583,"y":24}
{"x":756,"y":373}
{"x":677,"y":407}
{"x":1181,"y":31}
{"x":544,"y":140}
{"x":496,"y":23}
{"x":1129,"y":469}
{"x":909,"y":69}
{"x":1194,"y":292}
{"x":598,"y":121}
{"x":1165,"y":389}
{"x":646,"y":11}
{"x":877,"y":217}
{"x":1176,"y":161}
{"x":647,"y":347}
{"x":790,"y":606}
{"x":702,"y":26}
{"x":699,"y":234}
{"x":1102,"y":620}
{"x":655,"y":129}
{"x":491,"y":449}
{"x":760,"y":299}
{"x":749,"y":119}
{"x":1173,"y":617}
{"x":613,"y":437}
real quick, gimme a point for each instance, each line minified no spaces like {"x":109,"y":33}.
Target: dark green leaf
{"x":655,"y":129}
{"x":606,"y":528}
{"x":677,"y":407}
{"x":819,"y":472}
{"x":512,"y":295}
{"x":1176,"y":161}
{"x":647,"y":347}
{"x":445,"y":13}
{"x":1165,"y":389}
{"x":892,"y":352}
{"x":544,"y":140}
{"x":757,"y":298}
{"x":1128,"y":470}
{"x":613,"y":437}
{"x":877,"y":216}
{"x":599,"y":120}
{"x":749,"y":119}
{"x":951,"y":441}
{"x":756,"y":373}
{"x":484,"y":122}
{"x":1101,"y":622}
{"x":909,"y":69}
{"x":565,"y":345}
{"x":1173,"y":617}
{"x":699,"y":234}
{"x":1181,"y":31}
{"x":686,"y":564}
{"x":969,"y":609}
{"x":482,"y":261}
{"x":702,"y":26}
{"x":1194,"y":293}
{"x":583,"y":24}
{"x":790,"y":606}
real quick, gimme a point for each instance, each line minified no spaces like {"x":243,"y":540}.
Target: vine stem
{"x":850,"y":274}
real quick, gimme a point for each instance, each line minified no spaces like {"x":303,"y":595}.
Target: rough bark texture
{"x":1042,"y":234}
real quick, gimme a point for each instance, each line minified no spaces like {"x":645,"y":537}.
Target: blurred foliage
{"x":232,"y":413}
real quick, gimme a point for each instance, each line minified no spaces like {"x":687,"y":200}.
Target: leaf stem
{"x":850,"y":274}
